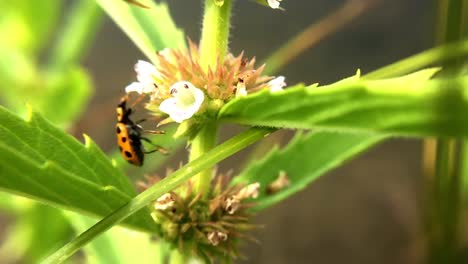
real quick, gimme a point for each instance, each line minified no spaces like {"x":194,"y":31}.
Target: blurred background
{"x":367,"y":211}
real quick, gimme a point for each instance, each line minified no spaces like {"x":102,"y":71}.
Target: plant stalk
{"x":203,"y":142}
{"x":444,"y":203}
{"x":215,"y":32}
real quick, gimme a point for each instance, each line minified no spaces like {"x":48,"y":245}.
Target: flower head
{"x":180,"y":87}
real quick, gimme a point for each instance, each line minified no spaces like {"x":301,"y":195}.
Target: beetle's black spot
{"x":124,"y":139}
{"x":128,"y":154}
{"x":120,"y":148}
{"x":186,"y":86}
{"x":118,"y":130}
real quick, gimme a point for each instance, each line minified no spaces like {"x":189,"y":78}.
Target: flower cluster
{"x":209,"y":228}
{"x":180,"y":87}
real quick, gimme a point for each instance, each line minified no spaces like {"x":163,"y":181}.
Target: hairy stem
{"x":215,"y":32}
{"x":203,"y":142}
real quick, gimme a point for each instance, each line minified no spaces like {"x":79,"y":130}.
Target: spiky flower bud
{"x":178,"y":86}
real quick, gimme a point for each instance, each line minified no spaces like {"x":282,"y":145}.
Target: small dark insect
{"x":129,"y":136}
{"x":134,"y":2}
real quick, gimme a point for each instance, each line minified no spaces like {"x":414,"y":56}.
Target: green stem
{"x":445,"y":188}
{"x":75,"y":37}
{"x":215,"y":32}
{"x":203,"y":142}
{"x":210,"y":158}
{"x":445,"y":204}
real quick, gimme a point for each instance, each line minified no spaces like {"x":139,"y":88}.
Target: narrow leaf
{"x":151,"y":29}
{"x":304,"y":159}
{"x":405,"y":106}
{"x":42,"y":162}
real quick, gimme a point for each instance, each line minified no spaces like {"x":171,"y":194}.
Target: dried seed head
{"x":211,"y":226}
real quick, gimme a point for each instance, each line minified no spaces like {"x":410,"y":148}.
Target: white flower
{"x":185,"y":101}
{"x":275,"y":4}
{"x":215,"y":237}
{"x":277,"y":84}
{"x":231,"y":204}
{"x":249,"y":191}
{"x":164,"y":202}
{"x":146,"y":73}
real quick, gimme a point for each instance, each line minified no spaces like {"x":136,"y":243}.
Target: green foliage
{"x":303,"y":160}
{"x":405,"y":106}
{"x":151,"y":29}
{"x":42,"y":162}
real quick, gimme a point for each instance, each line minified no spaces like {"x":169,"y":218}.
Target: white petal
{"x":241,"y":90}
{"x":274,"y":3}
{"x":135,"y":87}
{"x":186,"y":100}
{"x":145,"y":72}
{"x":277,"y":84}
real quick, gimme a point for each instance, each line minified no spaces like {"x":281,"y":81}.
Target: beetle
{"x":129,"y":136}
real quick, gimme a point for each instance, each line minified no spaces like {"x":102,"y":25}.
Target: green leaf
{"x":151,"y":29}
{"x":114,"y":247}
{"x":303,"y":160}
{"x":406,"y":106}
{"x":42,"y":162}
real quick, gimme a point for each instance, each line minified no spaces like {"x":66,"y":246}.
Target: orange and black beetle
{"x":129,"y":136}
